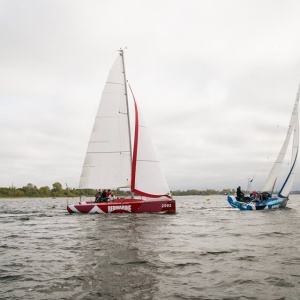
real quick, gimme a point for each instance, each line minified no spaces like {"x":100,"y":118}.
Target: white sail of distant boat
{"x":114,"y":159}
{"x":293,"y":129}
{"x":287,"y":185}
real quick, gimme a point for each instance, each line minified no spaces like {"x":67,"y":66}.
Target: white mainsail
{"x":274,"y":173}
{"x":108,"y":162}
{"x":111,"y":161}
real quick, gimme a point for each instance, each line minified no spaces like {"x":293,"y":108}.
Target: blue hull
{"x":270,"y":203}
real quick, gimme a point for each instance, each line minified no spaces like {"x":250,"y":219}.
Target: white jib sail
{"x":108,"y":161}
{"x":271,"y":179}
{"x":149,"y":177}
{"x":288,"y":184}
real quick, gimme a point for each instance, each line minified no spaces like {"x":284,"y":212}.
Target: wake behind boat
{"x":266,"y":200}
{"x":119,"y":157}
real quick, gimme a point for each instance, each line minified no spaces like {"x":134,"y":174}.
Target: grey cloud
{"x":213,"y":79}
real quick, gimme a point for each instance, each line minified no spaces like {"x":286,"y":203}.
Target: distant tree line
{"x":30,"y":191}
{"x":57,"y":190}
{"x":203,"y":192}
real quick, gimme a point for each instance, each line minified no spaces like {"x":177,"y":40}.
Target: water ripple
{"x":205,"y":251}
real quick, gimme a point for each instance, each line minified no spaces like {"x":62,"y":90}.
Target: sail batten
{"x":98,"y":152}
{"x":114,"y":82}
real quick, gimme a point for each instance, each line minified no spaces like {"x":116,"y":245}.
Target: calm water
{"x":206,"y":251}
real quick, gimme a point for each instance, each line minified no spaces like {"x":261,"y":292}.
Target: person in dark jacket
{"x":98,"y":196}
{"x":104,"y":196}
{"x":239,"y":193}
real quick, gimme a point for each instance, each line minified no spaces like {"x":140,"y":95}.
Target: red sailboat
{"x":120,"y":154}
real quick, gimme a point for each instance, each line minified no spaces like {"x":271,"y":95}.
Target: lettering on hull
{"x":119,"y":207}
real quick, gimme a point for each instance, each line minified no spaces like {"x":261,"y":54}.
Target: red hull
{"x":125,"y":205}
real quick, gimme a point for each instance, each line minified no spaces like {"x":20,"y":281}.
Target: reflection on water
{"x":206,"y":251}
{"x":113,"y":265}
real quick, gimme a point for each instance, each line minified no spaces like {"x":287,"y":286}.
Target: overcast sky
{"x":215,"y":80}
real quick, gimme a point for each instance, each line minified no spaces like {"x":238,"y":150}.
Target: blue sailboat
{"x":266,"y":199}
